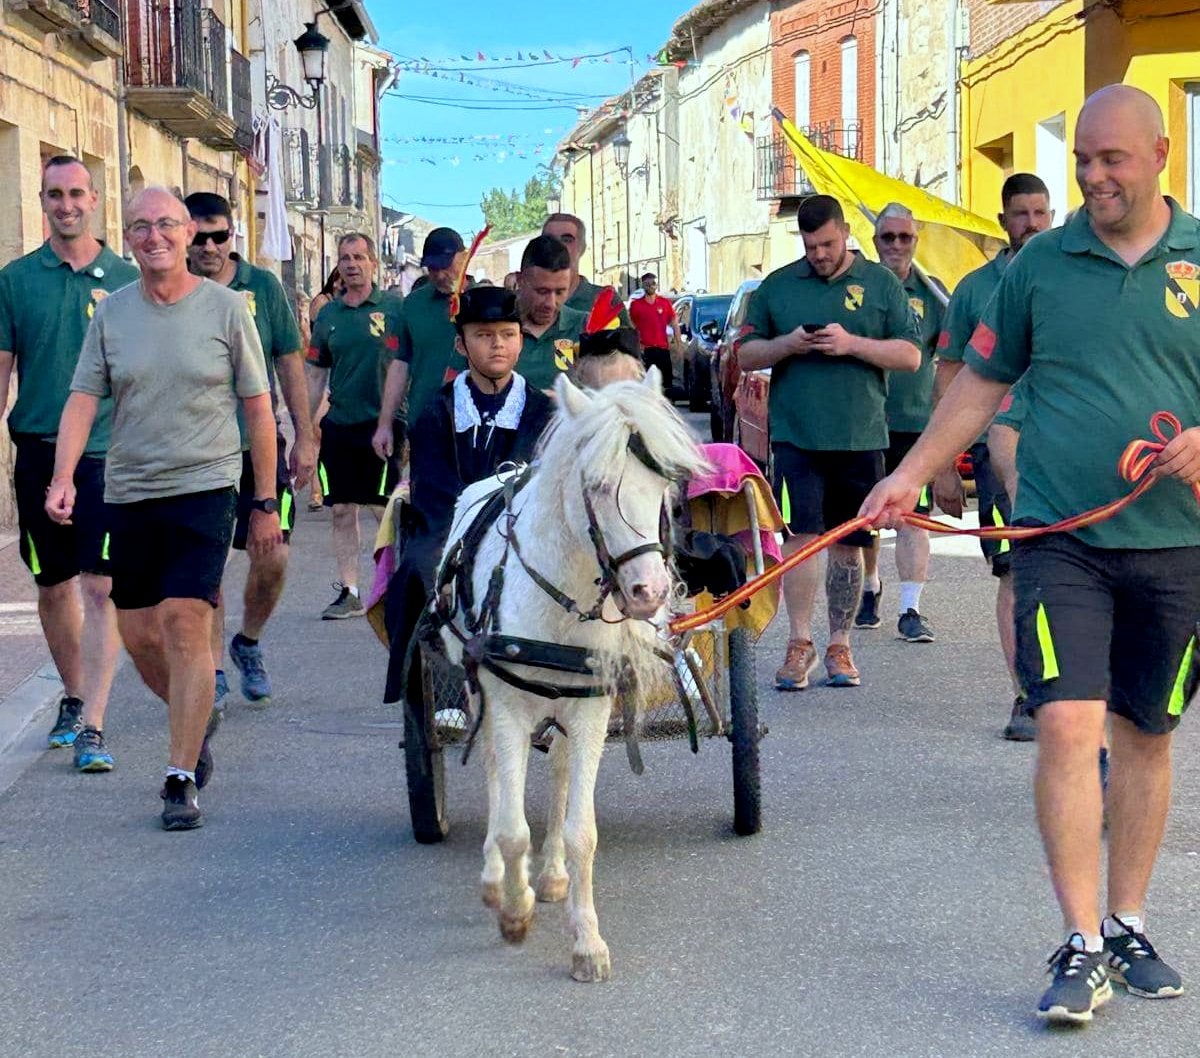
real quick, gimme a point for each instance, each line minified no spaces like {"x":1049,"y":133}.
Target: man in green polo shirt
{"x":551,"y":329}
{"x":830,"y":326}
{"x":425,"y":358}
{"x":211,"y":255}
{"x":1026,"y":212}
{"x":909,"y":401}
{"x":1101,"y":319}
{"x":353,"y":339}
{"x":582,"y":293}
{"x":47,"y":299}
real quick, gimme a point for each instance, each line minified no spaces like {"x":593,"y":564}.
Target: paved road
{"x":895,"y":904}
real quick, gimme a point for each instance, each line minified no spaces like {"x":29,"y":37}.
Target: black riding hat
{"x":486,"y":305}
{"x":611,"y":340}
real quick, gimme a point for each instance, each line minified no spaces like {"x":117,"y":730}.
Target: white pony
{"x":606,"y":464}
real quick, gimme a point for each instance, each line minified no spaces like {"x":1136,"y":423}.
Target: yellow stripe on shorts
{"x":785,"y":504}
{"x":998,"y":522}
{"x":1046,"y":643}
{"x":1178,"y":702}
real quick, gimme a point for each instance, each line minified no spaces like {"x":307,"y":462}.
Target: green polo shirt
{"x":543,"y":358}
{"x":1011,"y":412}
{"x":821,"y":402}
{"x":910,"y":395}
{"x":585,"y":297}
{"x":427,"y":345}
{"x":355,"y":343}
{"x":45,"y":308}
{"x":1102,"y":346}
{"x":273,"y":319}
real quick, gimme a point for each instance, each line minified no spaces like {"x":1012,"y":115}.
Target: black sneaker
{"x":1080,"y":984}
{"x":181,"y":810}
{"x":1021,"y":726}
{"x":1133,"y":961}
{"x":68,"y":725}
{"x":913,"y":628}
{"x":868,"y":609}
{"x":204,"y":762}
{"x":347,"y":604}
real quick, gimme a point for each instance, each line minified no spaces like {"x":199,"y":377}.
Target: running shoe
{"x":1080,"y":984}
{"x":868,"y":609}
{"x":181,"y":809}
{"x":839,"y":665}
{"x":913,"y":628}
{"x":68,"y":725}
{"x":797,"y":665}
{"x":90,"y":751}
{"x":204,"y":762}
{"x":1133,"y":961}
{"x":1021,"y":726}
{"x":220,"y":691}
{"x":248,"y":660}
{"x":347,"y":604}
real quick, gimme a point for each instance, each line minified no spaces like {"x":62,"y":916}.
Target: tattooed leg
{"x":843,"y":588}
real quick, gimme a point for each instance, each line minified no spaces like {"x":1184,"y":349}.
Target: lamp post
{"x":620,"y":147}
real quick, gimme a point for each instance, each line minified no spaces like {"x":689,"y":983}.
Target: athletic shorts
{"x":55,"y":553}
{"x":817,"y":491}
{"x":994,"y":509}
{"x":899,"y":445}
{"x":247,"y":495}
{"x":1097,"y":624}
{"x":348,"y":469}
{"x":171,"y":547}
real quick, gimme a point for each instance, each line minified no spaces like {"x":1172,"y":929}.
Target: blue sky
{"x":445,"y":181}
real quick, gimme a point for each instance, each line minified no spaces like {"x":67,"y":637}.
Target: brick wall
{"x":993,"y":23}
{"x":819,"y":27}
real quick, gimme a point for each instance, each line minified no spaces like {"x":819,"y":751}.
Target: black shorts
{"x":173,"y":547}
{"x":55,"y":553}
{"x":348,"y":469}
{"x":994,"y":509}
{"x":817,"y":491}
{"x":246,"y":496}
{"x":899,"y":445}
{"x":1097,"y":624}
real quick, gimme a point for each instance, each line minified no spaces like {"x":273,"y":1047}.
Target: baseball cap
{"x":441,"y":245}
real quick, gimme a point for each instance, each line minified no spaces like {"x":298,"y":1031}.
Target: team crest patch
{"x":377,"y":324}
{"x":918,"y":307}
{"x":854,"y":297}
{"x":98,"y":295}
{"x":564,"y":353}
{"x":251,"y":304}
{"x":1183,"y":288}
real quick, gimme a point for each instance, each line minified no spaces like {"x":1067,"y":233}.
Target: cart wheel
{"x":425,"y":768}
{"x":743,"y":715}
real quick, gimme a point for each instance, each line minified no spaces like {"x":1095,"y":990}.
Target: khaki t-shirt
{"x":175,"y":373}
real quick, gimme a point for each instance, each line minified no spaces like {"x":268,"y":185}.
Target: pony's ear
{"x":653,"y":379}
{"x":571,"y":398}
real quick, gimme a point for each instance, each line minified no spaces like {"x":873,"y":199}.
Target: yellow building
{"x":1021,"y":92}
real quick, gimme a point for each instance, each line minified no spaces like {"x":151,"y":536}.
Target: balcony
{"x":299,"y":165}
{"x":98,"y":35}
{"x":46,"y":16}
{"x":177,"y":70}
{"x":341,"y":186}
{"x":777,"y":173}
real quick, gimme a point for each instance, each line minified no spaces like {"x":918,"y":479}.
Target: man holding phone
{"x":830,"y":326}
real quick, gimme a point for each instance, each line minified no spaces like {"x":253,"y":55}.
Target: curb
{"x":22,"y":739}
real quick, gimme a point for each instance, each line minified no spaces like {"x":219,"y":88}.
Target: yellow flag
{"x":953,"y":242}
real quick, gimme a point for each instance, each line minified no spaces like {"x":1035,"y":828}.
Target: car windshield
{"x":710,"y":310}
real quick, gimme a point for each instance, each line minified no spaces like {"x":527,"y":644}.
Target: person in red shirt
{"x":652,"y":315}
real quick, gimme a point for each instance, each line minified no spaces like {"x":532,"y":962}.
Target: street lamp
{"x":620,"y":146}
{"x":554,"y":202}
{"x":313,"y":47}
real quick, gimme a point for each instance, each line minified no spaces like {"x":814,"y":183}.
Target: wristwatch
{"x":268,"y":506}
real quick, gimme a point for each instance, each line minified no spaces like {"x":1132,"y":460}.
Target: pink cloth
{"x":730,"y":468}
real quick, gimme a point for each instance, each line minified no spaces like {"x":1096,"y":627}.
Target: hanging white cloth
{"x":276,"y":240}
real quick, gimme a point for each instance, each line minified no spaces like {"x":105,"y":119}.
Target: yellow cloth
{"x":385,"y":541}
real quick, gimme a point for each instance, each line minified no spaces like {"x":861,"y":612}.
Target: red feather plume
{"x":605,"y":312}
{"x":461,"y":281}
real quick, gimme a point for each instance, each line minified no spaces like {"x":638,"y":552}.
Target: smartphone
{"x":812,"y":328}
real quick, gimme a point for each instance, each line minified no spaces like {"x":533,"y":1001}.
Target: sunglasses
{"x":902,"y":237}
{"x":219,"y":238}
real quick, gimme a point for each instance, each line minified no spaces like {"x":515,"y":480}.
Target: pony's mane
{"x":597,"y":440}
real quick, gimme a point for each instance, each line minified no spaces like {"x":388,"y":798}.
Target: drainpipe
{"x":122,"y":147}
{"x":251,"y":183}
{"x":953,"y":100}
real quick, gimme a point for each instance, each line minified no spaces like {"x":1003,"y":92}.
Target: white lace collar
{"x":466,"y":414}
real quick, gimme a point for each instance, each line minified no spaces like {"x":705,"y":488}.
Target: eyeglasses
{"x":219,"y":238}
{"x":902,"y":237}
{"x":140,"y":229}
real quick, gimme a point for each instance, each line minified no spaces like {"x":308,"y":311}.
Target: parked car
{"x":724,"y":372}
{"x":701,"y":318}
{"x":750,"y":419}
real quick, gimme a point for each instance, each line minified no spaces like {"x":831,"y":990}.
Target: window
{"x":1193,"y":145}
{"x":803,"y":77}
{"x":1051,"y":159}
{"x":850,"y":95}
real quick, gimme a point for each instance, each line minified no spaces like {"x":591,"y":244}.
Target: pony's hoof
{"x":514,"y":926}
{"x":590,"y":967}
{"x":490,"y":894}
{"x":552,"y":888}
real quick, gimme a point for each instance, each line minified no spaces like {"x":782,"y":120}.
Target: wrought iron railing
{"x":102,"y":14}
{"x":243,"y":99}
{"x":297,"y":165}
{"x":177,"y":44}
{"x":777,"y":173}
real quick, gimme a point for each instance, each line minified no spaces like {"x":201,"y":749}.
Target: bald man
{"x":1101,"y":320}
{"x":175,"y":352}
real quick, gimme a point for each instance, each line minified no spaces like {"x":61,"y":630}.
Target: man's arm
{"x":265,"y":532}
{"x":318,"y":379}
{"x":766,"y":352}
{"x":7,"y":360}
{"x":73,"y":429}
{"x":1002,"y":451}
{"x":889,"y":354}
{"x":395,"y":385}
{"x":295,"y":394}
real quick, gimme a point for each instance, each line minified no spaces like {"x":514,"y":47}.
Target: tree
{"x":514,"y":212}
